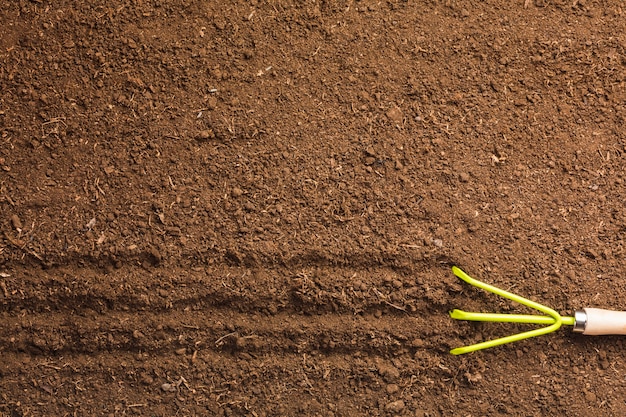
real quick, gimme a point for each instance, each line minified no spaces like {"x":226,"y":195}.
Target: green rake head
{"x":551,"y":318}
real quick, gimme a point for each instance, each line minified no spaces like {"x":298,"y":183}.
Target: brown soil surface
{"x":251,"y":208}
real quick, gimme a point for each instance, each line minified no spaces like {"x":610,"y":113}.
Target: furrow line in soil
{"x":399,"y":259}
{"x":310,"y":290}
{"x":187,"y":332}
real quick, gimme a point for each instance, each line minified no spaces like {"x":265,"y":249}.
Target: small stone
{"x":146,"y":379}
{"x":181,"y":351}
{"x":206,"y":134}
{"x":418,"y":343}
{"x":237,"y":192}
{"x":392,"y":389}
{"x":91,"y":223}
{"x":16,"y":222}
{"x":395,"y":115}
{"x":395,"y":406}
{"x":167,"y":387}
{"x":590,"y":397}
{"x":370,"y":160}
{"x":464,"y":177}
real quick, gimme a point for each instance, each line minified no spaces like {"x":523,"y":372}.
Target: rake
{"x":588,"y":321}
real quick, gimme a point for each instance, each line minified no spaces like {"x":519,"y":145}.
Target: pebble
{"x":392,"y":389}
{"x":237,"y":192}
{"x":418,"y":343}
{"x":212,"y":103}
{"x":16,"y":222}
{"x":395,"y":115}
{"x":167,"y":387}
{"x":146,"y":379}
{"x":206,"y":134}
{"x":395,"y":406}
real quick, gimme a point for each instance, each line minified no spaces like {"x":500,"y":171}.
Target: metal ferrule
{"x":580,"y":321}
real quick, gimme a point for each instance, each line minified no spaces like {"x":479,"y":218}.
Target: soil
{"x":251,"y":208}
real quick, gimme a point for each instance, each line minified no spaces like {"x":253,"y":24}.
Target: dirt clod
{"x":392,"y":389}
{"x":388,"y":372}
{"x":395,"y":407}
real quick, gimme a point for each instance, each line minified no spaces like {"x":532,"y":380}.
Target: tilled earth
{"x":251,"y":208}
